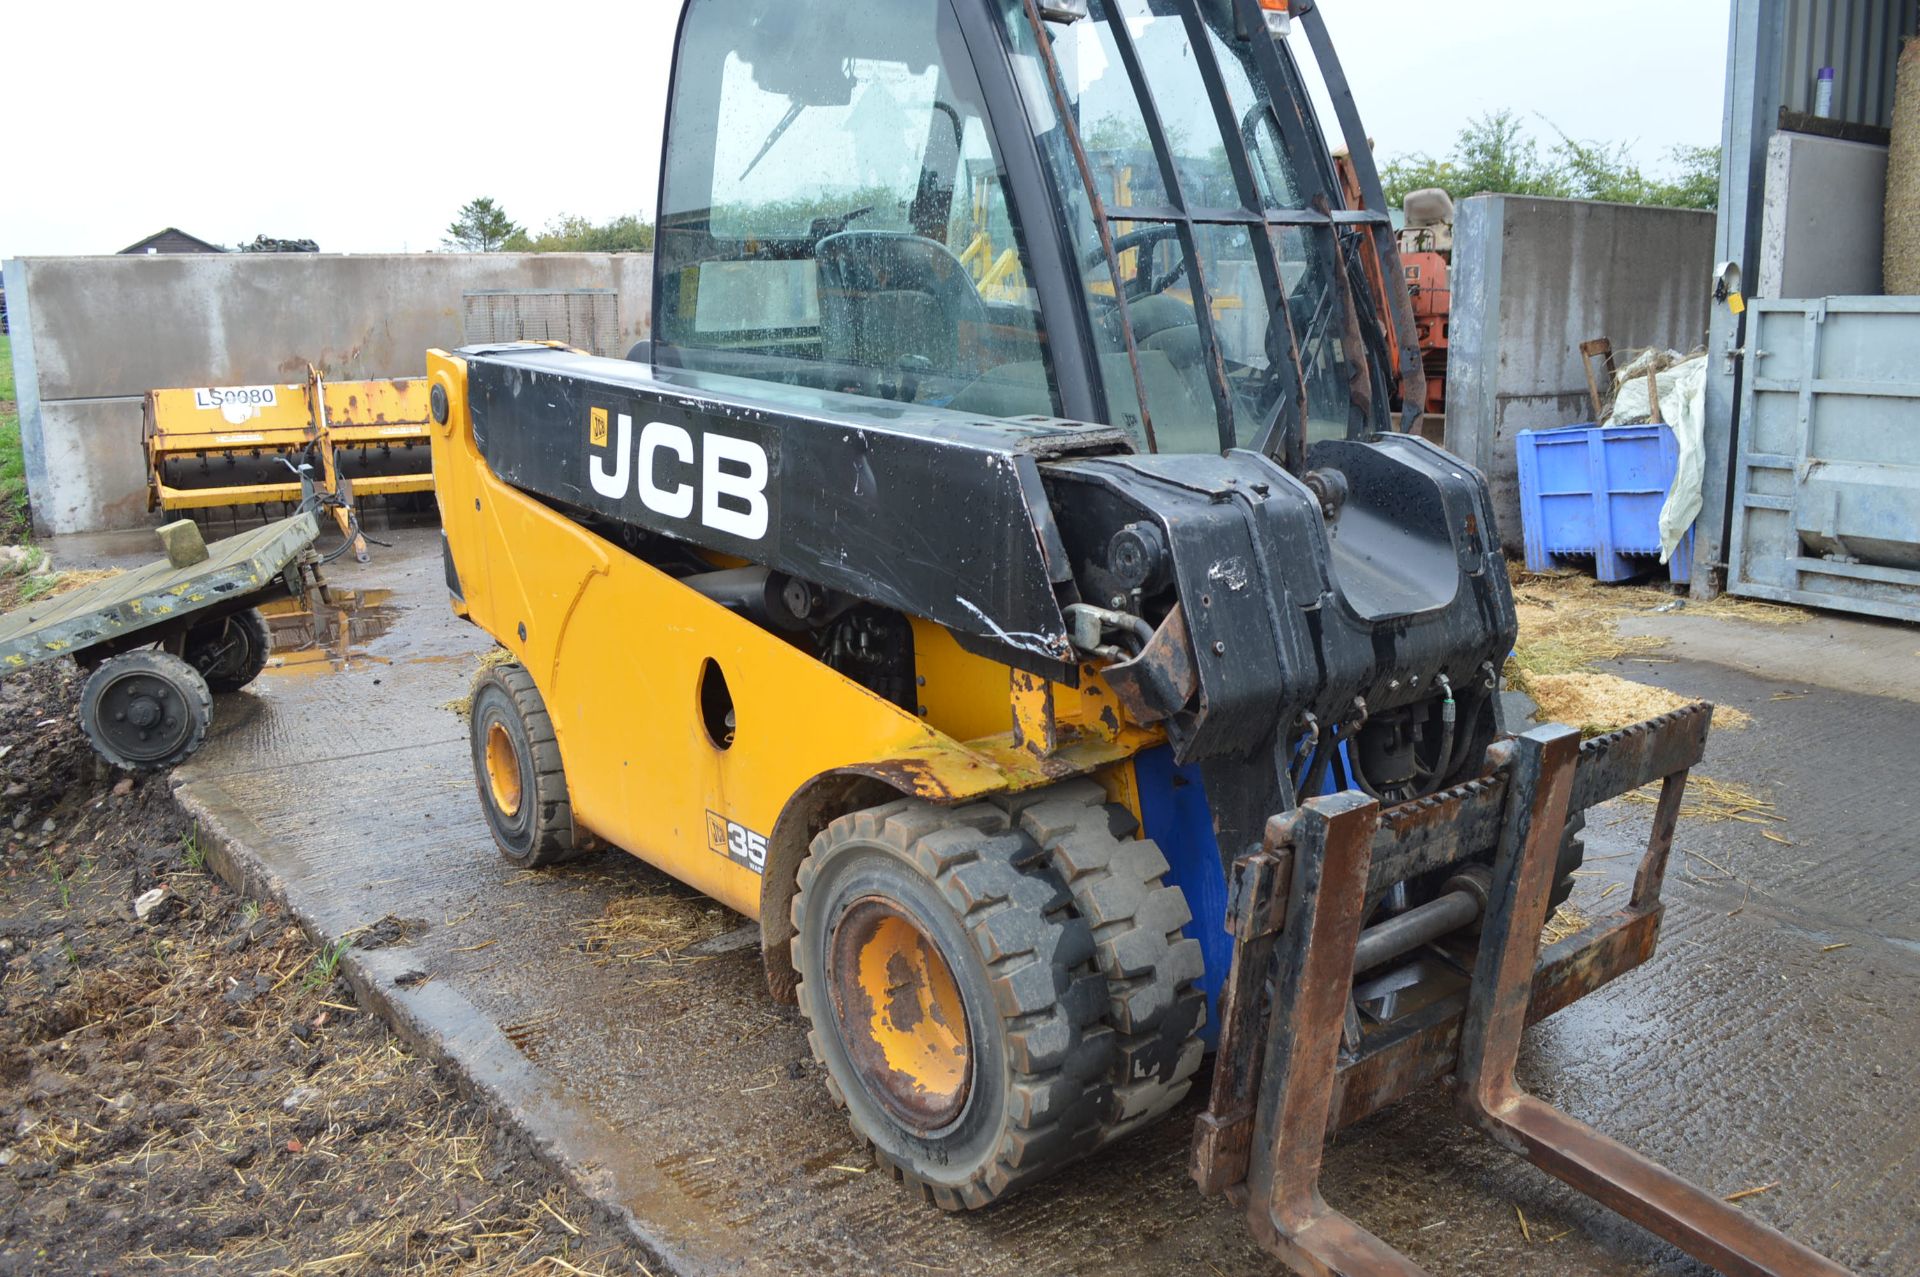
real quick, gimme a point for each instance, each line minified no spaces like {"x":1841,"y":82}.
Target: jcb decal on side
{"x":725,"y":476}
{"x":736,"y":842}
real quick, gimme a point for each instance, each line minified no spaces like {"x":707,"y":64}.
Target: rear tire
{"x":995,"y":973}
{"x":230,"y":652}
{"x":516,"y":768}
{"x":1153,"y":969}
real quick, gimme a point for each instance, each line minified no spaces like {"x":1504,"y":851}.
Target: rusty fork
{"x":1300,"y":913}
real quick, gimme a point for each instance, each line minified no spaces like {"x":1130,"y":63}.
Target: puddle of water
{"x":329,"y":638}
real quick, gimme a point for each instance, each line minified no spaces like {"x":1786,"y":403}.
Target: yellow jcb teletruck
{"x":1074,"y":678}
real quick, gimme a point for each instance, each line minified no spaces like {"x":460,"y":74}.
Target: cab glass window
{"x":1257,"y":334}
{"x":834,"y":214}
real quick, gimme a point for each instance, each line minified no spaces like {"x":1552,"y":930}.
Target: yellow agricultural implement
{"x":236,"y":447}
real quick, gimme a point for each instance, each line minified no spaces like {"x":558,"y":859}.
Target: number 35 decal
{"x":736,"y":842}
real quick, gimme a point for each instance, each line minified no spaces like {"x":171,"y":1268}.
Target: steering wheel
{"x":1144,"y":282}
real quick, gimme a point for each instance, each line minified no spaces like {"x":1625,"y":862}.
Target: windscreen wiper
{"x":793,"y":113}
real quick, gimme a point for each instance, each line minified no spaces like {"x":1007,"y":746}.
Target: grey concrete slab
{"x":92,"y":335}
{"x":680,"y":1097}
{"x":1867,"y":657}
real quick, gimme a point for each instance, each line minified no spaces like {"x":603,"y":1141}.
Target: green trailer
{"x":160,"y":640}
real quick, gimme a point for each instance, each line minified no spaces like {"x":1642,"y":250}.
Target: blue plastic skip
{"x":1595,"y":492}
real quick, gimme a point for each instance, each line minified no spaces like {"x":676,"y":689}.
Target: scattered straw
{"x":1713,"y":801}
{"x":1600,"y":703}
{"x":1567,"y":619}
{"x":85,"y":576}
{"x":464,"y":706}
{"x":1751,"y":1192}
{"x":1568,"y":920}
{"x":654,"y":923}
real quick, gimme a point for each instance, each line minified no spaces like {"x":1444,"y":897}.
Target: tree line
{"x":1494,"y":154}
{"x":482,"y":226}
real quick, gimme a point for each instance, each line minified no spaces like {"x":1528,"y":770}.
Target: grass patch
{"x":16,"y":526}
{"x":191,"y":848}
{"x":326,"y":965}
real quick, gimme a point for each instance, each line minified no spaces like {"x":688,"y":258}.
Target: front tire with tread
{"x":1021,"y":956}
{"x":1153,"y":968}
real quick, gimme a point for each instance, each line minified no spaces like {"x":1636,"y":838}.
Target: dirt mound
{"x":186,"y":1086}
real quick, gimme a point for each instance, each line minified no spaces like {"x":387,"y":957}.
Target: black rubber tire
{"x":230,"y":652}
{"x":1154,"y":1001}
{"x":1573,"y":854}
{"x":188,"y":708}
{"x":1022,"y":960}
{"x":538,"y":832}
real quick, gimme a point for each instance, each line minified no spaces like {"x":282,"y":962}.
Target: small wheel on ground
{"x":145,"y":711}
{"x":230,"y":652}
{"x":950,"y":992}
{"x":516,"y":768}
{"x":1153,"y":968}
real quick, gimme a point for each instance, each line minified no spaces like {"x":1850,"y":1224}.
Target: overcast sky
{"x":365,"y":126}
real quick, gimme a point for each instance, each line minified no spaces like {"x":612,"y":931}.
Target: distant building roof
{"x":172,"y":240}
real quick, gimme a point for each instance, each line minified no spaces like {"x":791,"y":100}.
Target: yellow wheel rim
{"x":901,"y":1016}
{"x":503,"y":770}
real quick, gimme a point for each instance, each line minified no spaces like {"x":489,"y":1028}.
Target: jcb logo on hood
{"x":726,"y":476}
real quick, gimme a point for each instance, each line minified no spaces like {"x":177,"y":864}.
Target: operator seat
{"x":892,"y":299}
{"x":1169,"y":325}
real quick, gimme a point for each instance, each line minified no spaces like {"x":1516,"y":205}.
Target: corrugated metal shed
{"x":1860,"y":39}
{"x":1776,"y":49}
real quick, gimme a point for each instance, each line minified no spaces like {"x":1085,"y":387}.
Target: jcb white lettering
{"x":732,"y":473}
{"x":749,"y":489}
{"x":675,"y":502}
{"x":614,"y":485}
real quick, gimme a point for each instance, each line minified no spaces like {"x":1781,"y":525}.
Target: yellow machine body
{"x":223,"y":421}
{"x":220,"y":447}
{"x":619,"y":651}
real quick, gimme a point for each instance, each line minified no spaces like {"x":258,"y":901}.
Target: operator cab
{"x":1127,"y":217}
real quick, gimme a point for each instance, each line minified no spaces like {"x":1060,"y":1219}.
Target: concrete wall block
{"x":105,"y":330}
{"x":96,"y":473}
{"x":1823,"y":225}
{"x":1532,"y":279}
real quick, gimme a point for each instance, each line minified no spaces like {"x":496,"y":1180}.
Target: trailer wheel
{"x":145,"y":711}
{"x":1153,"y":968}
{"x":950,"y":992}
{"x":516,"y":768}
{"x":230,"y":652}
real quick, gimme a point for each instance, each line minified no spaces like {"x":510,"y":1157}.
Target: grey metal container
{"x":1827,"y":485}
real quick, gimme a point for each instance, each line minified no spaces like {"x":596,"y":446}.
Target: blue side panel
{"x":1175,"y":814}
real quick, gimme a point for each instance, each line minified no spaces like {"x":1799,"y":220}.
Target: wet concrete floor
{"x":1774,"y":1041}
